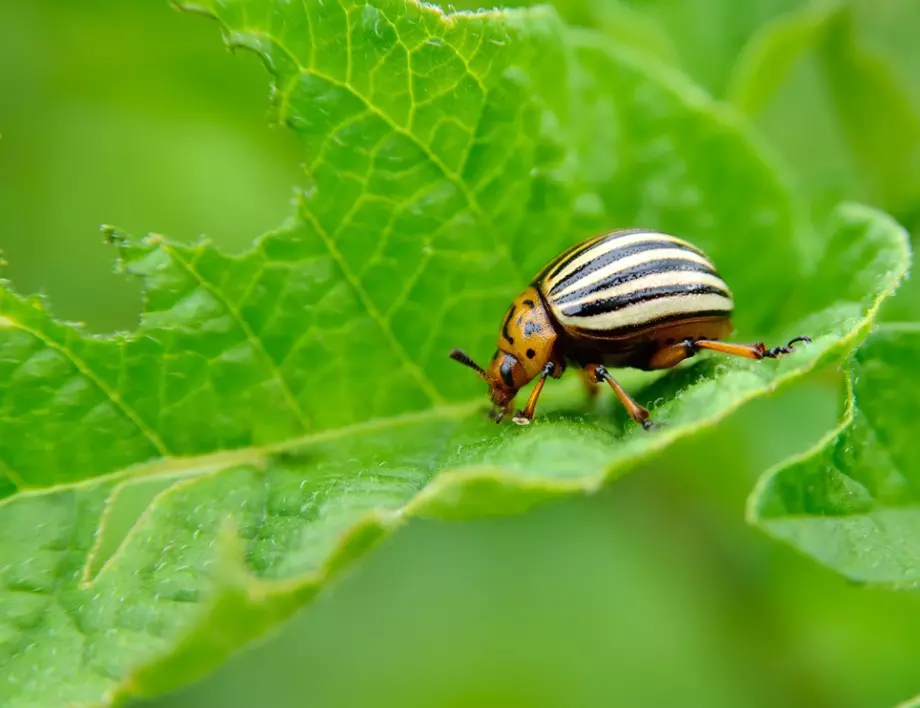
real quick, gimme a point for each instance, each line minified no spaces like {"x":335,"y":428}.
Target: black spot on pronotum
{"x":530,"y":303}
{"x":532,"y":328}
{"x":505,"y":326}
{"x":505,"y":370}
{"x":531,"y":353}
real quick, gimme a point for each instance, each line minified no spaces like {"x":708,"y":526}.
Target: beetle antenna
{"x":461,"y":357}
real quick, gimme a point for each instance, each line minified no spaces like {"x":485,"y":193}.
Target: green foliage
{"x":278,"y":412}
{"x":772,"y":53}
{"x":852,"y":502}
{"x":878,"y":123}
{"x":827,"y":81}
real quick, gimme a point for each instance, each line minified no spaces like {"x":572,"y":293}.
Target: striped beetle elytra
{"x":629,"y":298}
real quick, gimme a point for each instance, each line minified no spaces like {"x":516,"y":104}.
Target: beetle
{"x":628,"y":298}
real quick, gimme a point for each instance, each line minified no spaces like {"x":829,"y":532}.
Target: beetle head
{"x":505,"y":376}
{"x":526,"y":342}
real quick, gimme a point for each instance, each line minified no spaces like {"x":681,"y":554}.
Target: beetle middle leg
{"x":636,"y":412}
{"x":673,"y":354}
{"x":590,"y":384}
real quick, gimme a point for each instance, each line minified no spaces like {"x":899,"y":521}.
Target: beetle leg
{"x":749,"y":351}
{"x":590,"y":384}
{"x":673,"y":354}
{"x":636,"y":412}
{"x":525,"y":416}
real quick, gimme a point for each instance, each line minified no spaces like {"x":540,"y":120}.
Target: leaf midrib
{"x":193,"y":465}
{"x":289,"y":398}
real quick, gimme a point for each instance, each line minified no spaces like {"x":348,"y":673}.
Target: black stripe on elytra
{"x":603,"y":305}
{"x":614,"y":255}
{"x":552,"y":270}
{"x":557,"y":264}
{"x":619,"y":277}
{"x":505,"y":325}
{"x":651,"y":324}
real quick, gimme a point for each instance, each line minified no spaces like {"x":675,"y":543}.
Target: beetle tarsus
{"x":521,"y":419}
{"x":786,"y":348}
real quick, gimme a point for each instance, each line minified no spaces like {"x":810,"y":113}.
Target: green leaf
{"x":710,"y":34}
{"x":881,"y":125}
{"x":867,"y":105}
{"x":905,"y":307}
{"x":772,"y":52}
{"x":853,"y":502}
{"x":171,"y":493}
{"x":625,"y":25}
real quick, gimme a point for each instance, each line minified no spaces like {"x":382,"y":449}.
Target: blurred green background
{"x":654,"y":592}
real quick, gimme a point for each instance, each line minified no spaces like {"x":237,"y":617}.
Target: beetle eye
{"x":506,"y":370}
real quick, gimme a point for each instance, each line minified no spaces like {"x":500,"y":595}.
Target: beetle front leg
{"x":525,"y":416}
{"x":636,"y":412}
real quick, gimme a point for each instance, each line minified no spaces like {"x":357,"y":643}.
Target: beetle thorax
{"x":527,"y":333}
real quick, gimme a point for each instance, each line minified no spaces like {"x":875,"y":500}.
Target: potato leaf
{"x":171,"y":493}
{"x":853,"y":502}
{"x":856,"y":92}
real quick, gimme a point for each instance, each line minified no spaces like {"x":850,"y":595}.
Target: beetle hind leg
{"x":750,"y":351}
{"x":673,"y":354}
{"x":786,"y":348}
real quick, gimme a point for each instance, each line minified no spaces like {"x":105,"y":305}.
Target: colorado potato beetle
{"x":629,"y":298}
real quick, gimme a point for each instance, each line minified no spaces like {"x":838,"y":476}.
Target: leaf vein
{"x":421,"y":378}
{"x":97,"y":381}
{"x":254,"y":340}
